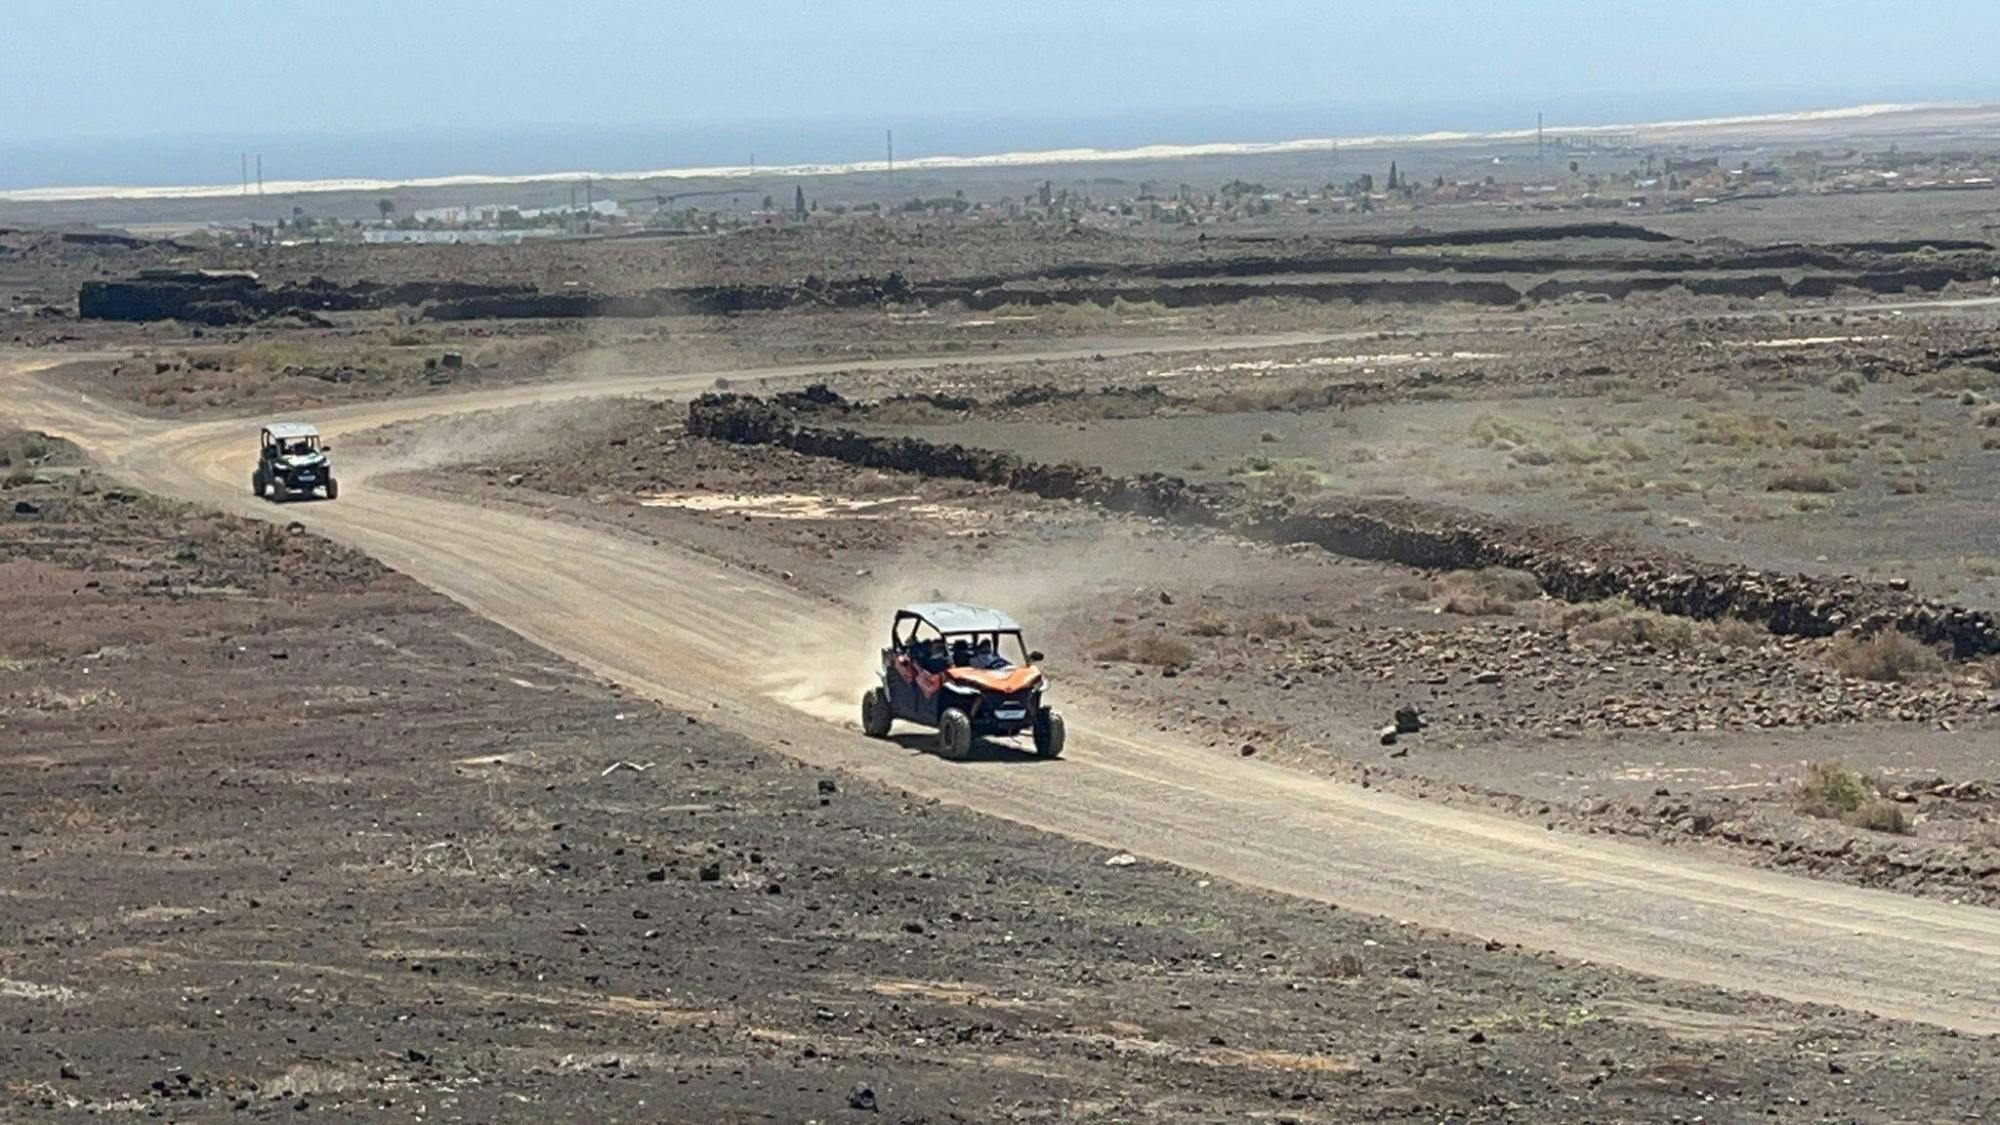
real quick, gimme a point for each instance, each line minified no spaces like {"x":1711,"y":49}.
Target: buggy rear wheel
{"x":1048,"y":734}
{"x":875,"y":716}
{"x":257,"y":483}
{"x":954,"y":735}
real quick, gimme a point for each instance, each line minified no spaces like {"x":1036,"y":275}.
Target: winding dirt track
{"x":682,"y":628}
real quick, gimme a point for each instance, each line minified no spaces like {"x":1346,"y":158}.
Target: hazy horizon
{"x":529,"y":150}
{"x":125,"y":93}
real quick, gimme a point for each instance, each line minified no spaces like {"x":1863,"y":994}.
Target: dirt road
{"x":698,"y":636}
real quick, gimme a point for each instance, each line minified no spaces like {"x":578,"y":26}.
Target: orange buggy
{"x":963,"y":670}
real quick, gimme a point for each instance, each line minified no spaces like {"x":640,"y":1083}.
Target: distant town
{"x":1594,"y":173}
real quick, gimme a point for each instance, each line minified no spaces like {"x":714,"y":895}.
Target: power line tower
{"x":889,"y":145}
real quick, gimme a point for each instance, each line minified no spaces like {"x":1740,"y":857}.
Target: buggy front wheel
{"x":1048,"y":734}
{"x":875,"y":715}
{"x":955,"y":735}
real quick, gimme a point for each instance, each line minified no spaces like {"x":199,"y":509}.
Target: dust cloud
{"x":1058,"y":586}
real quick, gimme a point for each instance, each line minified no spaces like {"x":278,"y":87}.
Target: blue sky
{"x":84,"y":69}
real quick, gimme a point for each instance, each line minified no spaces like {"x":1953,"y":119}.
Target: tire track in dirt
{"x":697,"y":635}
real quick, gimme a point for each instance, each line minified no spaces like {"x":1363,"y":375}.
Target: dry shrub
{"x":1738,"y":633}
{"x":1276,"y":625}
{"x":1408,"y":590}
{"x":1704,"y":388}
{"x":1492,"y":429}
{"x":1343,"y":966}
{"x":1987,"y":671}
{"x":1741,"y":431}
{"x":1845,"y":383}
{"x":1989,"y":415}
{"x":1632,"y":626}
{"x":1886,"y":657}
{"x":1952,"y":380}
{"x":1980,"y":566}
{"x":1834,"y":792}
{"x":1160,"y":652}
{"x":1486,"y":592}
{"x":1810,"y":478}
{"x":1207,"y":624}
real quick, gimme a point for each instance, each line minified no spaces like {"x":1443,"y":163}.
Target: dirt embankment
{"x":1229,"y":272}
{"x":287,"y":834}
{"x":1570,"y":567}
{"x":1527,"y":232}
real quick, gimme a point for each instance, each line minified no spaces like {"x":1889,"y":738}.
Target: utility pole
{"x":260,"y":173}
{"x":588,"y":206}
{"x":889,"y":143}
{"x":1538,"y":140}
{"x":246,"y":173}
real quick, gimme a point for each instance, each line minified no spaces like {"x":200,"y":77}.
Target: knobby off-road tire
{"x":332,"y":489}
{"x":955,"y":735}
{"x":875,"y":714}
{"x":257,"y":483}
{"x":1048,"y":734}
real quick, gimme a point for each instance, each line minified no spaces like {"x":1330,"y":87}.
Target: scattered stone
{"x":26,"y":508}
{"x":1388,"y":735}
{"x":828,"y":785}
{"x":1409,"y":720}
{"x":1122,"y":859}
{"x":1486,"y":677}
{"x":861,"y":1097}
{"x":711,"y":872}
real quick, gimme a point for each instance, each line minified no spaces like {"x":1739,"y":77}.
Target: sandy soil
{"x":433,"y":900}
{"x":1535,"y":708}
{"x":299,"y":910}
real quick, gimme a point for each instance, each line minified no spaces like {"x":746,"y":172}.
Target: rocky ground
{"x":288,"y":836}
{"x":1597,"y":716}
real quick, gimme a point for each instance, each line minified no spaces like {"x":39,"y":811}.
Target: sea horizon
{"x":423,"y":158}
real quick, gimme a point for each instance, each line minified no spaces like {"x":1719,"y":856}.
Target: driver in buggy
{"x":986,"y":659}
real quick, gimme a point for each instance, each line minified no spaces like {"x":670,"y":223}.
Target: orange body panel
{"x":1003,"y":680}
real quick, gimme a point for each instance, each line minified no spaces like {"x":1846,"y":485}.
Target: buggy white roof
{"x":283,"y":430}
{"x":957,"y":617}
